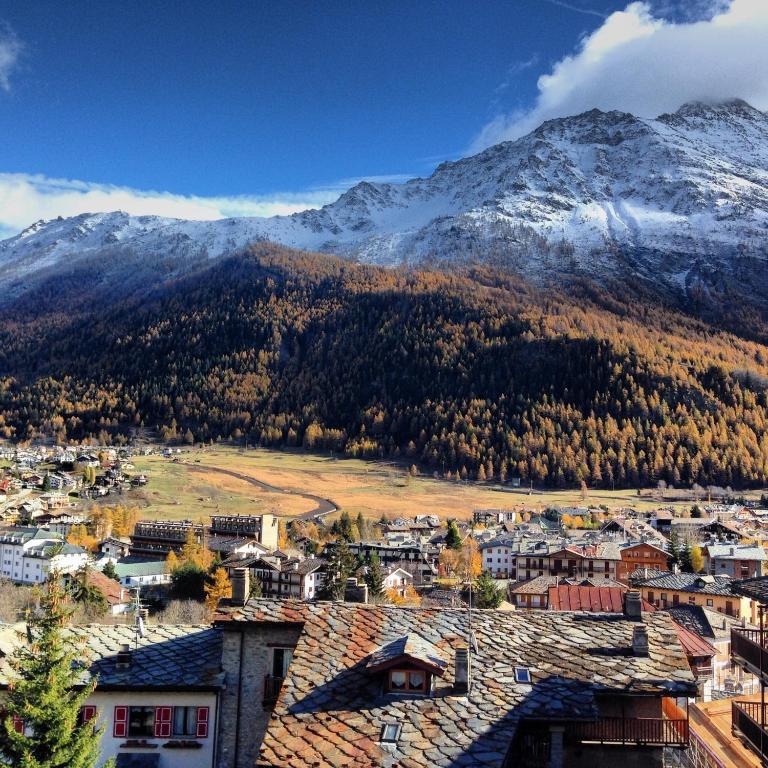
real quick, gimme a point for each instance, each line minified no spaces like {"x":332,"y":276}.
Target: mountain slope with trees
{"x":477,"y":375}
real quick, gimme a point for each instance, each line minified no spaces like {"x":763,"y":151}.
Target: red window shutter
{"x":202,"y":722}
{"x":163,"y":716}
{"x":18,"y":724}
{"x":120,"y":725}
{"x":88,"y":713}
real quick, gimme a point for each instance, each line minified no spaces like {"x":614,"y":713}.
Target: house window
{"x":86,"y":714}
{"x":281,"y":660}
{"x":185,"y":721}
{"x":190,"y":721}
{"x":407,"y":681}
{"x":710,"y":603}
{"x":141,"y":722}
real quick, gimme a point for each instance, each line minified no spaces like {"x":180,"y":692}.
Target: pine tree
{"x":487,"y":593}
{"x":362,"y":526}
{"x":686,"y":559}
{"x":110,"y":571}
{"x":82,"y":591}
{"x":341,"y":565}
{"x":256,"y":589}
{"x":345,"y":526}
{"x":674,"y":549}
{"x":46,"y":695}
{"x":452,"y":536}
{"x":374,"y":577}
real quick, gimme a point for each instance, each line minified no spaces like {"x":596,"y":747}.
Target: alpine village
{"x":457,"y":461}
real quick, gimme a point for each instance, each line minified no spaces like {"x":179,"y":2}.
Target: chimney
{"x":124,"y":656}
{"x":462,"y":681}
{"x":675,"y":568}
{"x":241,"y":586}
{"x":633,"y":606}
{"x":640,"y":640}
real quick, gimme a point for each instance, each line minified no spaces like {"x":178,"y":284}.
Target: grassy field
{"x":192,"y":487}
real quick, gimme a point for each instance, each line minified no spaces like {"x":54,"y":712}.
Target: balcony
{"x":749,"y":724}
{"x":640,"y":731}
{"x":272,"y":686}
{"x":749,"y":649}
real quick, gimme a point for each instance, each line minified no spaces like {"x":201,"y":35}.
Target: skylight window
{"x":523,"y":675}
{"x":390,"y":733}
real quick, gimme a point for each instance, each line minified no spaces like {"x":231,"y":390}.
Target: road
{"x":324,"y":506}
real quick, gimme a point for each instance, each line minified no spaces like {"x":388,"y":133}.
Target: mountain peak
{"x":594,"y":193}
{"x":714,"y":110}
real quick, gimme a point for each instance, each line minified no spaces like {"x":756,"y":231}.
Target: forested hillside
{"x":475,"y":374}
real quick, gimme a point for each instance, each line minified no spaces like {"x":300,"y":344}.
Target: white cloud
{"x":10,"y":51}
{"x":639,"y":62}
{"x":26,"y":198}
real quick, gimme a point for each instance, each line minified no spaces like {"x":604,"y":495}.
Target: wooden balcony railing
{"x":747,"y":721}
{"x":272,"y":686}
{"x":749,"y":648}
{"x":633,"y":730}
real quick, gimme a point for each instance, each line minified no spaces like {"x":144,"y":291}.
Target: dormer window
{"x":408,"y":681}
{"x":407,"y":665}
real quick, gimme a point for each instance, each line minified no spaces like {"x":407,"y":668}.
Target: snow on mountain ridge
{"x":693,"y":182}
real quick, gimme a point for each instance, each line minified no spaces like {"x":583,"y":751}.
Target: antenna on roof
{"x":139,"y":619}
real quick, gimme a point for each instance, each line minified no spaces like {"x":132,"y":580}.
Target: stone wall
{"x":247,"y":659}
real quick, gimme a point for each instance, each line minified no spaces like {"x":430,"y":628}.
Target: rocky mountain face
{"x":679,"y":203}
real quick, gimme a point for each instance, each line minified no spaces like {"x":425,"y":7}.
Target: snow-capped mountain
{"x":679,"y":198}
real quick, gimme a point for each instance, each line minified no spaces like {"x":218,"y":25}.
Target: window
{"x":141,"y":722}
{"x":281,"y":660}
{"x":185,"y":721}
{"x":407,"y":681}
{"x":390,"y":732}
{"x":86,"y":714}
{"x":710,"y":602}
{"x":522,"y":675}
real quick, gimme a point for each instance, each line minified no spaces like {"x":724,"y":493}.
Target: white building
{"x":28,"y":555}
{"x":134,"y":572}
{"x":398,"y":579}
{"x":157,"y":694}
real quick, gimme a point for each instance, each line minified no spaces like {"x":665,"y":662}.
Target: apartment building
{"x":29,"y":555}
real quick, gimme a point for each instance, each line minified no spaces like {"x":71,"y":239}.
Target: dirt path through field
{"x":324,"y":506}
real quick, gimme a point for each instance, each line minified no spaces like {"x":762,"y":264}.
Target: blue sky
{"x":280,"y":102}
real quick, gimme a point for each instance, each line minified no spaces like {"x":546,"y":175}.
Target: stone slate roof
{"x":689,"y":582}
{"x":736,"y":552}
{"x":331,"y":710}
{"x":169,"y":657}
{"x":540,"y":585}
{"x":755,"y":588}
{"x":693,"y":618}
{"x":705,"y":622}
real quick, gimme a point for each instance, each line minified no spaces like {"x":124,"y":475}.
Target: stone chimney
{"x":640,"y":640}
{"x":241,"y":586}
{"x":675,"y":568}
{"x":462,"y":680}
{"x":633,"y":605}
{"x":124,"y":657}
